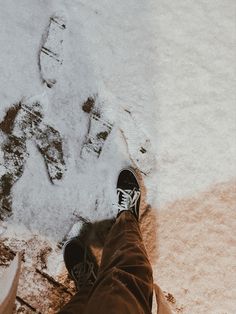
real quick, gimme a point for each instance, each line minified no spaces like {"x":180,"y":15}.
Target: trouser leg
{"x":78,"y":302}
{"x":125,"y":282}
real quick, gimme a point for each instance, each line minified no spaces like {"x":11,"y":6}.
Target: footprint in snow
{"x":50,"y":55}
{"x":21,"y":123}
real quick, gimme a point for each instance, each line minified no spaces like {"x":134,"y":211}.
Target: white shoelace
{"x":129,"y":199}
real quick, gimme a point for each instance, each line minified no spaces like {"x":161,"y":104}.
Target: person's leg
{"x":124,"y":283}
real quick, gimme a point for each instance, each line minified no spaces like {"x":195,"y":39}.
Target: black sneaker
{"x":128,"y":192}
{"x":80,"y":263}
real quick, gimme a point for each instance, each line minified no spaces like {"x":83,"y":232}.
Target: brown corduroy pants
{"x":124,"y":284}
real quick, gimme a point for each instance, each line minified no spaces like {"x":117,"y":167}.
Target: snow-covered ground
{"x":162,"y":73}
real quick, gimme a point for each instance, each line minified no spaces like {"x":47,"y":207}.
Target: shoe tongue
{"x":128,"y":191}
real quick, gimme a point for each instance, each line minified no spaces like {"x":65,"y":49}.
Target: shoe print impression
{"x":138,"y":145}
{"x":21,"y":123}
{"x":50,"y":56}
{"x":98,"y":130}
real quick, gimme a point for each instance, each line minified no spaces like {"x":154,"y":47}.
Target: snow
{"x":168,"y":63}
{"x":195,"y":81}
{"x":91,"y":66}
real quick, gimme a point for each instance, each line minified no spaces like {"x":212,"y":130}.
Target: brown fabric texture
{"x":124,"y":284}
{"x":77,"y":303}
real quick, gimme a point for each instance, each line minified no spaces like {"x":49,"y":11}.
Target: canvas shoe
{"x":128,"y":191}
{"x":80,"y":262}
